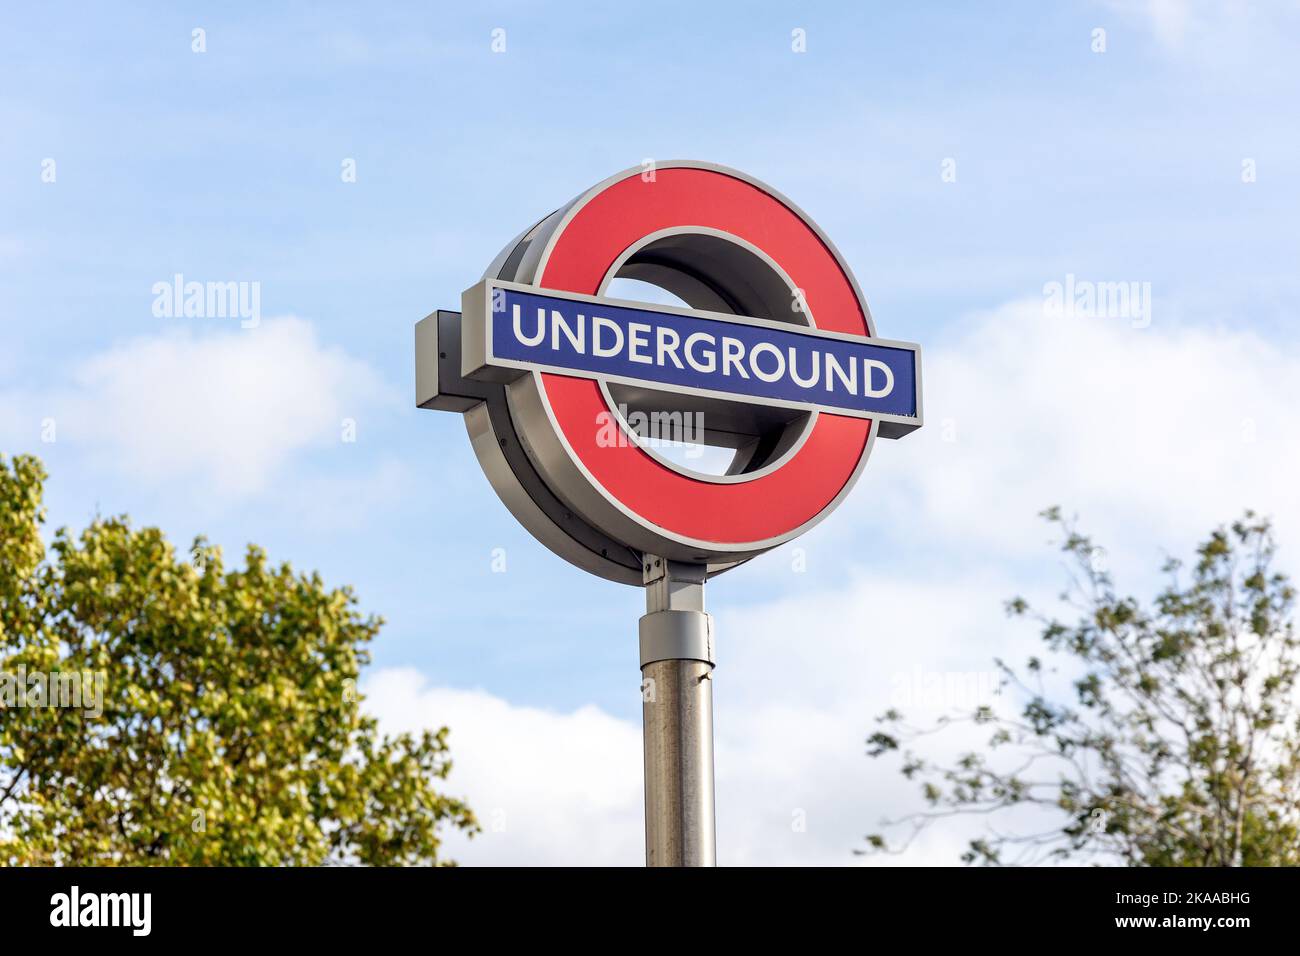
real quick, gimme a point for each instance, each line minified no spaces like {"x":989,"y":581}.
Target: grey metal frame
{"x":525,"y":456}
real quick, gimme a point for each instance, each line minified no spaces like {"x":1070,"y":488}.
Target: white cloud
{"x":226,"y":410}
{"x":798,"y":687}
{"x":1222,"y":34}
{"x":548,"y":788}
{"x":1154,"y":435}
{"x":1169,"y":19}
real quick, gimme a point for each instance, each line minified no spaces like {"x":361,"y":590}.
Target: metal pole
{"x":677,"y":711}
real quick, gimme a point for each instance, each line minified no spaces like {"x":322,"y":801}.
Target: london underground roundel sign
{"x":775,"y":356}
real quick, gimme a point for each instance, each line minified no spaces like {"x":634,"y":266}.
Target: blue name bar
{"x":703,"y":352}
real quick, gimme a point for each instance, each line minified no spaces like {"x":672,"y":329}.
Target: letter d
{"x":867,"y":390}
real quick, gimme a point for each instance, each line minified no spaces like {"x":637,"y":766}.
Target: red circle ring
{"x":750,"y":514}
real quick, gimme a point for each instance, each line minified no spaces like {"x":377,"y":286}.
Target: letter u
{"x":816,"y":369}
{"x":530,"y":340}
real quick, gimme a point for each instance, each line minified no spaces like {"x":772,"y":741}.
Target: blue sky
{"x":1123,"y":165}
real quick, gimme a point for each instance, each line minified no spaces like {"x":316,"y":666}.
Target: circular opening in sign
{"x":674,"y":438}
{"x":705,"y":269}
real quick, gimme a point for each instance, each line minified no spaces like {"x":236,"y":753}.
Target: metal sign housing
{"x":776,"y":352}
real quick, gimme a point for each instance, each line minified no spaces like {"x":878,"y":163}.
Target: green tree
{"x":1179,"y":744}
{"x":228,"y":730}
